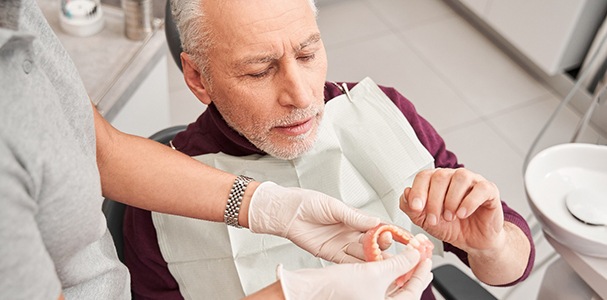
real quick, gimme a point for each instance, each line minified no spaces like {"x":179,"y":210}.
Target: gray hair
{"x":195,"y":34}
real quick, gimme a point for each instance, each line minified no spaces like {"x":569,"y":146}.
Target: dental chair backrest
{"x":172,"y":35}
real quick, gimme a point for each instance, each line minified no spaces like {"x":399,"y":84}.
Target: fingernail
{"x":448,"y":215}
{"x":461,"y":212}
{"x":431,"y":219}
{"x":416,"y":204}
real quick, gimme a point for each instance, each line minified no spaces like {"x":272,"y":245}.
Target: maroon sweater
{"x":150,"y":275}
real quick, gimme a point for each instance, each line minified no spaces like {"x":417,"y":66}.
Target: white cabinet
{"x":554,"y":34}
{"x":127,"y":80}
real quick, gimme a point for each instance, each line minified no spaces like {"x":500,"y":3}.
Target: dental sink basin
{"x":568,"y":179}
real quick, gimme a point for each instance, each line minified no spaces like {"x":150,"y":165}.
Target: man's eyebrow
{"x":269,"y":57}
{"x":257,"y":59}
{"x":312,"y":39}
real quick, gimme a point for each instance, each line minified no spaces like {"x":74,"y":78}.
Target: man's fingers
{"x":462,"y":182}
{"x":417,"y":217}
{"x":404,"y":203}
{"x":483,"y":193}
{"x":438,"y":187}
{"x":419,"y":190}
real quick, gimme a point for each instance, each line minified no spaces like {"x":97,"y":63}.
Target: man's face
{"x":267,"y":72}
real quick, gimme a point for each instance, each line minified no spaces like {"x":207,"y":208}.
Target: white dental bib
{"x":366,"y":154}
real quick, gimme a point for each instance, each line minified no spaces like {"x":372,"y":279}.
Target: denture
{"x":372,"y":251}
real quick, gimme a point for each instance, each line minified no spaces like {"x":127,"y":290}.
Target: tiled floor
{"x":487,"y":108}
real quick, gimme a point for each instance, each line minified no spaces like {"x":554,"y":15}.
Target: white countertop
{"x":110,"y":65}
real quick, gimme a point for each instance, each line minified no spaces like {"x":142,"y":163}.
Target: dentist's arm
{"x":146,"y":174}
{"x":143,"y":173}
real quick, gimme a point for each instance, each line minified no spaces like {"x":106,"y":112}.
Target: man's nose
{"x":294,"y":88}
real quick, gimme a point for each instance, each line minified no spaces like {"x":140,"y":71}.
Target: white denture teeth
{"x":421,"y":237}
{"x":414,"y":242}
{"x":377,"y":254}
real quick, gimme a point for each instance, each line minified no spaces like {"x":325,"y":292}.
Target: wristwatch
{"x":230,"y":216}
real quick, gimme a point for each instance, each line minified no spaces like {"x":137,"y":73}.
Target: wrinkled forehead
{"x":246,"y":23}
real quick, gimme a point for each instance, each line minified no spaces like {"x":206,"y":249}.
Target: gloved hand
{"x":370,"y":280}
{"x":321,"y":225}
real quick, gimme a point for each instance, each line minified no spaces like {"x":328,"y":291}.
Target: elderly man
{"x":260,"y":66}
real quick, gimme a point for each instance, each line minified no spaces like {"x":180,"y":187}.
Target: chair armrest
{"x":453,"y":284}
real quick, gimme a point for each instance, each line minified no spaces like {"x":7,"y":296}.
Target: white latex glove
{"x":367,"y":281}
{"x":320,"y":224}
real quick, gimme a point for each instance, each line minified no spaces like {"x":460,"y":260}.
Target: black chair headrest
{"x":172,"y":35}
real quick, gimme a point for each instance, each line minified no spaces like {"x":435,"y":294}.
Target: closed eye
{"x":261,"y":74}
{"x":307,"y":58}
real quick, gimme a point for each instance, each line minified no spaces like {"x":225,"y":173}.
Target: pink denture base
{"x":419,"y":242}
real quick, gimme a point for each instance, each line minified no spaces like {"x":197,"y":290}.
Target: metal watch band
{"x":230,"y":216}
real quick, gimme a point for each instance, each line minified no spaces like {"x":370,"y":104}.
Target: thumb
{"x":420,"y":280}
{"x":406,"y":208}
{"x":400,"y":264}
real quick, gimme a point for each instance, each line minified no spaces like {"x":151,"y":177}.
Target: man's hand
{"x":458,"y":207}
{"x":464,"y":209}
{"x":321,"y":225}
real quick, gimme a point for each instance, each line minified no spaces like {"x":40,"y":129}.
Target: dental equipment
{"x":587,"y":206}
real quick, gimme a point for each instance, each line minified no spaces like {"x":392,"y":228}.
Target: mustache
{"x":298,"y":115}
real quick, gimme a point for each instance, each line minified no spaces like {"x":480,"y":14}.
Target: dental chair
{"x":449,"y":281}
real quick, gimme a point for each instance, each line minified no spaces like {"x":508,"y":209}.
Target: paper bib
{"x":366,"y":154}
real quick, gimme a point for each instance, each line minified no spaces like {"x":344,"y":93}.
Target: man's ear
{"x":193,"y":79}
